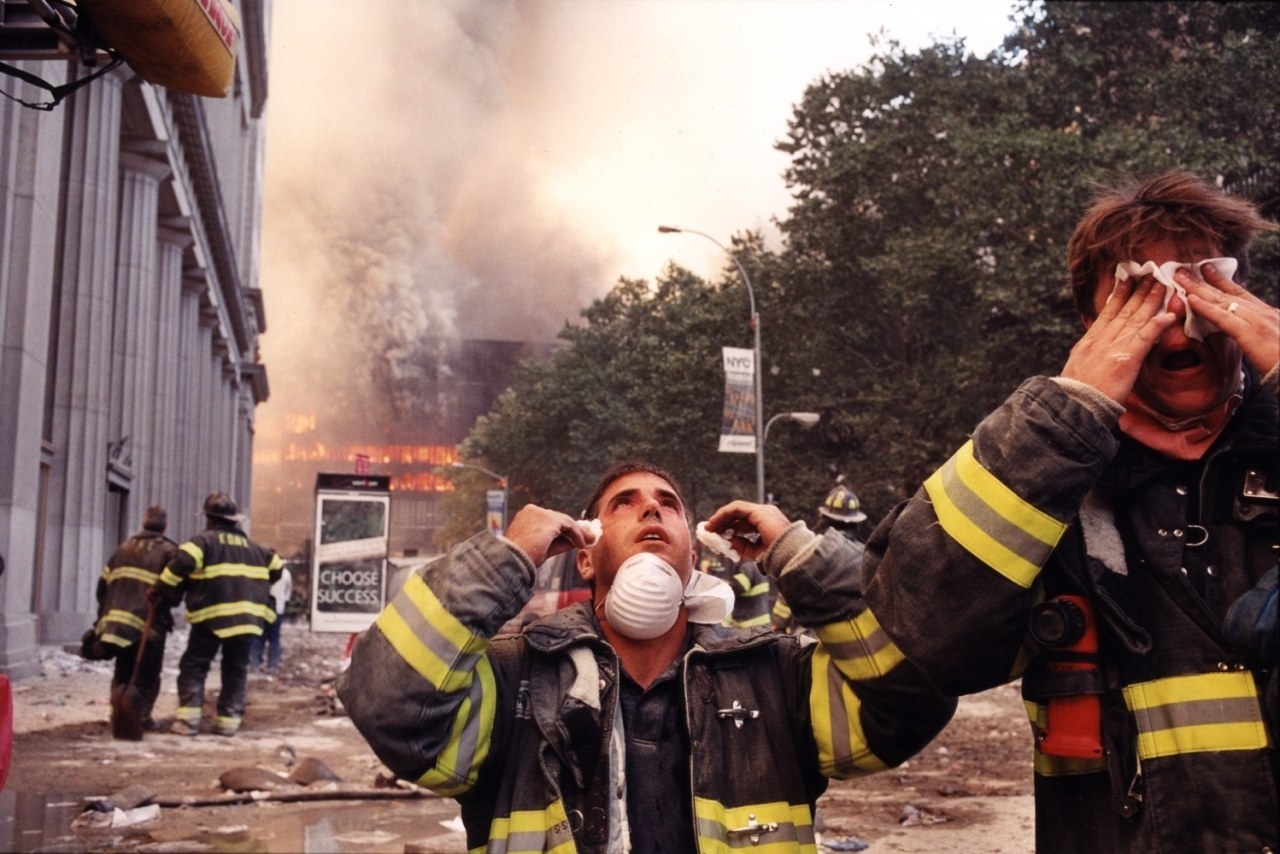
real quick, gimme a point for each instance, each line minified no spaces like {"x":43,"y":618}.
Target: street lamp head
{"x":669,"y":229}
{"x":805,"y":419}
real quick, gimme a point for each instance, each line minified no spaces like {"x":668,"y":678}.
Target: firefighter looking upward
{"x":226,"y":578}
{"x":635,"y":721}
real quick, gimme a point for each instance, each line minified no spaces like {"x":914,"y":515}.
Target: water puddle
{"x":43,"y":823}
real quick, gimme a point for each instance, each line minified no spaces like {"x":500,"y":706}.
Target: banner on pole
{"x":738,"y":430}
{"x":496,"y":510}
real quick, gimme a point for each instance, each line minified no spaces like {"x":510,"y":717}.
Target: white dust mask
{"x":646,"y":596}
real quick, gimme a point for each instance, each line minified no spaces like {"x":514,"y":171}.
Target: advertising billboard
{"x":349,"y":560}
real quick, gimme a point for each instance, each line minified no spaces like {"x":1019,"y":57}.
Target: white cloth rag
{"x":1195,"y":327}
{"x":707,"y":599}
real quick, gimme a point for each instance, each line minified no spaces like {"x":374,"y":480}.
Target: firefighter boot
{"x":226,"y":725}
{"x":186,"y":721}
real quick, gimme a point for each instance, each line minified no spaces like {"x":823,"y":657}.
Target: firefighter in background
{"x":131,"y":571}
{"x":840,"y":511}
{"x":226,"y":579}
{"x":751,"y":590}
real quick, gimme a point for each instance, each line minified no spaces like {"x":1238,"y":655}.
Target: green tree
{"x":935,"y":192}
{"x":640,"y":377}
{"x":923,"y":275}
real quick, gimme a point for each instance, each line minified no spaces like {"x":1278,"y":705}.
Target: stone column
{"x":165,"y":468}
{"x":80,"y":366}
{"x":30,"y":176}
{"x":190,"y":372}
{"x":132,"y":401}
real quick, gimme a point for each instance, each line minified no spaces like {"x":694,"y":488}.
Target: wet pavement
{"x":40,"y":823}
{"x":168,"y":790}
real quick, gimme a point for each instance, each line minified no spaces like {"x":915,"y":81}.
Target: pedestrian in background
{"x":226,"y":579}
{"x":133,"y":569}
{"x":269,"y":643}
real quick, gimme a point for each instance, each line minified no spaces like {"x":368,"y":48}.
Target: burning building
{"x":421,"y":417}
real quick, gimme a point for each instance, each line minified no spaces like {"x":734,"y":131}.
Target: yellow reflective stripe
{"x":195,"y":551}
{"x":1056,"y":766}
{"x":859,"y":647}
{"x":990,"y":520}
{"x":443,"y":652}
{"x":1204,"y":712}
{"x":457,"y":765}
{"x":783,"y":828}
{"x":532,"y":831}
{"x":748,"y":589}
{"x":114,"y":639}
{"x":128,"y":618}
{"x":171,"y":578}
{"x":223,"y":570}
{"x":837,"y":722}
{"x":137,"y":573}
{"x":229,"y":609}
{"x":233,"y":631}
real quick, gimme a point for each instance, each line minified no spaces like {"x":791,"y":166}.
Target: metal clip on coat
{"x":738,"y":713}
{"x":753,"y":828}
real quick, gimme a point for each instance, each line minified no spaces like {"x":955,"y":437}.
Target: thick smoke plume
{"x":402,"y":201}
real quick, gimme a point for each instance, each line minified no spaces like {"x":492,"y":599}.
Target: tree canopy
{"x":923,"y":273}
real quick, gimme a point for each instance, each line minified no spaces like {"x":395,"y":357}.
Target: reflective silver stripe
{"x":773,"y":828}
{"x":990,"y":520}
{"x":837,"y":722}
{"x":860,"y":647}
{"x":1203,"y":712}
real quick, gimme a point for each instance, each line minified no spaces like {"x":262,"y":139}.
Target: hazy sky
{"x":485,"y":169}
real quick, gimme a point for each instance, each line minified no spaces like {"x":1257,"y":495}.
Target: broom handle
{"x":142,"y":643}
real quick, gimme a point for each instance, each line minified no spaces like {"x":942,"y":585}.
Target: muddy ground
{"x":969,"y":791}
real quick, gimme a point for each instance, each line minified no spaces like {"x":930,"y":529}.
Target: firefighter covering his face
{"x":1110,"y":536}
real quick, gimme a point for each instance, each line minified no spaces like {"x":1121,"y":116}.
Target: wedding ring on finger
{"x":1233,"y":308}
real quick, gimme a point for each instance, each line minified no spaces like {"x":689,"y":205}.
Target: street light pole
{"x":804,"y":419}
{"x":502,"y":482}
{"x":759,"y":364}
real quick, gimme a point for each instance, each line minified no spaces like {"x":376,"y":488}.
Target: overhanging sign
{"x":349,"y":559}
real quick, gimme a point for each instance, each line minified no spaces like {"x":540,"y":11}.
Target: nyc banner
{"x":738,"y":430}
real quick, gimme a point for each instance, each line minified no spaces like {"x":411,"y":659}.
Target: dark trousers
{"x":270,"y":641}
{"x":147,"y":682}
{"x":194,"y":665}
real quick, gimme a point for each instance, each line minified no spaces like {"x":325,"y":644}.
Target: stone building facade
{"x":130,"y":314}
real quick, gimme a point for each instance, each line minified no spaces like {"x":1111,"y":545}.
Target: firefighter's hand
{"x":749,"y":528}
{"x":1109,"y":355}
{"x":541,"y":533}
{"x":1253,"y":324}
